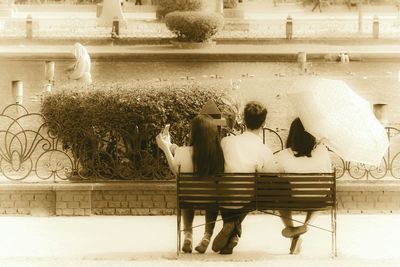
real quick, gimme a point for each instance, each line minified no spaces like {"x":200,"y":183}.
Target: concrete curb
{"x":195,"y":56}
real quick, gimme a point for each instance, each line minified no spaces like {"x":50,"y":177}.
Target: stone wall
{"x":158,"y":198}
{"x":369,"y":197}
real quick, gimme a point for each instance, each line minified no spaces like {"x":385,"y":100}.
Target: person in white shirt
{"x":243,"y":153}
{"x":80,"y":70}
{"x":203,"y":157}
{"x":302,"y":155}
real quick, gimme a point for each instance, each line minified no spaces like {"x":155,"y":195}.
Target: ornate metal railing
{"x":30,"y":151}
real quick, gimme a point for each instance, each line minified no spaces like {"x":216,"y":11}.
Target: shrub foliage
{"x":167,"y":6}
{"x":194,"y":26}
{"x":111,"y":129}
{"x":230,"y":3}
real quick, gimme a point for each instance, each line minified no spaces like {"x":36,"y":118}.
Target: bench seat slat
{"x":293,"y":198}
{"x":244,"y":174}
{"x":243,"y":198}
{"x":202,"y":206}
{"x":295,"y":185}
{"x":218,"y":178}
{"x":294,"y":179}
{"x":222,"y":191}
{"x":294,"y":208}
{"x":275,"y":205}
{"x":262,"y":192}
{"x":295,"y":174}
{"x":214,"y":185}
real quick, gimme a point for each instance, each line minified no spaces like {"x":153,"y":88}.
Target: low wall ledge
{"x":171,"y":185}
{"x":368,"y":186}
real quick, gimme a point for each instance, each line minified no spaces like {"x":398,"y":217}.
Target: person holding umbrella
{"x":302,"y":155}
{"x":340,"y":119}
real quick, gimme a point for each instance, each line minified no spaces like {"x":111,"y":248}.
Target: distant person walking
{"x":317,"y":4}
{"x":80,"y":70}
{"x":112,"y":9}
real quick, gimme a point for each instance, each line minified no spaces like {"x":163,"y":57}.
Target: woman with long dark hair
{"x":302,"y":155}
{"x":204,"y":156}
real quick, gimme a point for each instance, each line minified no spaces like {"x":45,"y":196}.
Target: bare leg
{"x":211,"y":217}
{"x":286,"y":216}
{"x":309,"y":217}
{"x":188,"y":217}
{"x":290,"y":230}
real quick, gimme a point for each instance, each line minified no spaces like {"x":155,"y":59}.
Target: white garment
{"x":82,"y":67}
{"x":247,"y":153}
{"x":111,"y":9}
{"x":319,"y":161}
{"x":183,"y":157}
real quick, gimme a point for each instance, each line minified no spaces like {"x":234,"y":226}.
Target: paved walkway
{"x":363,"y":241}
{"x":261,"y":20}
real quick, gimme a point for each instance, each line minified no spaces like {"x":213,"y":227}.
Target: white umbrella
{"x":332,"y":112}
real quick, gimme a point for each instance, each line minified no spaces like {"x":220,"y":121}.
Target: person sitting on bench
{"x":243,"y":153}
{"x":302,"y":155}
{"x":204,"y":157}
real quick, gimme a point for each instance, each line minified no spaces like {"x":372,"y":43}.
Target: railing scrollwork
{"x":31,"y":151}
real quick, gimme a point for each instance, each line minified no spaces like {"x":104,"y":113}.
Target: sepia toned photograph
{"x":142,"y":133}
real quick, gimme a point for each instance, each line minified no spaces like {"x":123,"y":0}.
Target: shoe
{"x":187,"y":243}
{"x":228,"y":249}
{"x":221,"y":240}
{"x":295,"y":247}
{"x":203,"y":245}
{"x":291,"y":232}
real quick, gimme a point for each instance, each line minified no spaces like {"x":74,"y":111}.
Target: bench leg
{"x":178,"y":231}
{"x":333,"y":226}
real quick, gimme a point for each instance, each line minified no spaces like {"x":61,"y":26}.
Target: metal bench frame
{"x":258,"y":192}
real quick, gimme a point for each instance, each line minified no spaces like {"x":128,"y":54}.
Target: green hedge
{"x":111,"y":128}
{"x":193,"y":26}
{"x":167,"y":6}
{"x":230,"y":3}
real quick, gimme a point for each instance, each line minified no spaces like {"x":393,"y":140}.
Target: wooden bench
{"x":258,"y":192}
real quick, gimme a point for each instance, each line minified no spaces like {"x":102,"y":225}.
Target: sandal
{"x":187,"y":243}
{"x":203,"y":245}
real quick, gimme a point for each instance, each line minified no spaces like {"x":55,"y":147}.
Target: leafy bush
{"x":230,"y":3}
{"x":167,"y":6}
{"x":194,"y":26}
{"x":111,"y":129}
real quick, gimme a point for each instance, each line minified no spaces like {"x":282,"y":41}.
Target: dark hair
{"x":254,"y":115}
{"x":299,"y":140}
{"x":208,"y":158}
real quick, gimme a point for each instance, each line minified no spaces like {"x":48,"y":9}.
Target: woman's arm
{"x":165,"y":146}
